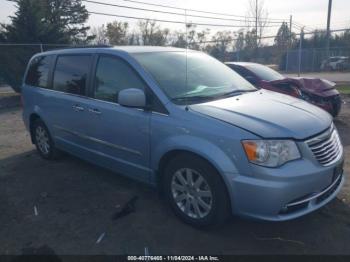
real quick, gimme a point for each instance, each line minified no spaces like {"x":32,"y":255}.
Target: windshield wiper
{"x":212,"y":97}
{"x":191,"y":98}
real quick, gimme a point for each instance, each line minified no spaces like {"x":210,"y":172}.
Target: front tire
{"x":43,"y":141}
{"x":195,"y":191}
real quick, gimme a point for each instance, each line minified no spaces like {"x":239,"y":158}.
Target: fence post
{"x":300,"y":46}
{"x":313,"y":60}
{"x":41,"y":48}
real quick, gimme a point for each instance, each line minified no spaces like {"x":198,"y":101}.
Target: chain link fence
{"x":318,"y":59}
{"x":14,"y":58}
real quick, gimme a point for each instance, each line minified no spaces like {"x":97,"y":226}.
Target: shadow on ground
{"x":75,"y":202}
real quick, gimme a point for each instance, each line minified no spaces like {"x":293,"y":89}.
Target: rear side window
{"x":112,"y":76}
{"x":243,"y":72}
{"x":71,"y":73}
{"x":38,"y":72}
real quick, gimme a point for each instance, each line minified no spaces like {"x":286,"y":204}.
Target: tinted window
{"x":243,"y":72}
{"x":112,"y":76}
{"x":264,"y":72}
{"x":191,"y":76}
{"x":38,"y":72}
{"x":71,"y":74}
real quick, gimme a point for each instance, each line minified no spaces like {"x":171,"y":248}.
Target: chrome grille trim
{"x":326,"y":148}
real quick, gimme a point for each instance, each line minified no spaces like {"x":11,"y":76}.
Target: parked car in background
{"x":319,"y":92}
{"x":213,"y":143}
{"x":336,"y":63}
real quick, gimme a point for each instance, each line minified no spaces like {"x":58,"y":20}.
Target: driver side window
{"x":112,"y":76}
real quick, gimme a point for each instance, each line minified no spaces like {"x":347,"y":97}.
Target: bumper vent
{"x":326,"y":147}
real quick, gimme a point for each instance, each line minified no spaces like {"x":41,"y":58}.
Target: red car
{"x":319,"y":92}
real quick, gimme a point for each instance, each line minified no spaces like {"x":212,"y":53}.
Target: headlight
{"x":270,"y":153}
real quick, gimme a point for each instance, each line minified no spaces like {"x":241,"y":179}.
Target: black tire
{"x":220,"y":204}
{"x":51,"y":153}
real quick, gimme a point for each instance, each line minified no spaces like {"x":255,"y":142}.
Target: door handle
{"x":78,"y":108}
{"x":95,"y":111}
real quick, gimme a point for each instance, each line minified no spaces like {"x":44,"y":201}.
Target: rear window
{"x":264,"y":72}
{"x":71,"y":73}
{"x":38,"y":72}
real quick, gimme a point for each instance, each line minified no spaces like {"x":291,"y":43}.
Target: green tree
{"x":39,"y":21}
{"x":53,"y":21}
{"x":26,"y":25}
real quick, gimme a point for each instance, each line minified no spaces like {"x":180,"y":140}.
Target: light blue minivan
{"x":186,"y":123}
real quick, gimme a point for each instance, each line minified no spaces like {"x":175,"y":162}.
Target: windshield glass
{"x":264,"y":72}
{"x":206,"y":77}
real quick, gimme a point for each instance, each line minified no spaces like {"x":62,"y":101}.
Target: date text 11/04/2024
{"x":173,"y":258}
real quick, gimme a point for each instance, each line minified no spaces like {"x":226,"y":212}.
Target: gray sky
{"x":312,"y":13}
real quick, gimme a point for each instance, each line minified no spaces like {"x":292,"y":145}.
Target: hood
{"x":316,"y":86}
{"x":268,"y":114}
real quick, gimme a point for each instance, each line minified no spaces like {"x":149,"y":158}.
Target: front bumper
{"x":285,"y":197}
{"x":332,"y":105}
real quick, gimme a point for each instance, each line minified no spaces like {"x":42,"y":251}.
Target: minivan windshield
{"x":264,"y":72}
{"x":193,"y":77}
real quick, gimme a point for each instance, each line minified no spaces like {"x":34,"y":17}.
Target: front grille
{"x":326,"y":147}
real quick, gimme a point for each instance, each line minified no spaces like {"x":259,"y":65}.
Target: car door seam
{"x":119,"y":147}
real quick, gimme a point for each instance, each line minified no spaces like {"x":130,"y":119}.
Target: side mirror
{"x":132,"y":97}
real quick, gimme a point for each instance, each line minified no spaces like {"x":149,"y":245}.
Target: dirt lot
{"x":75,"y":202}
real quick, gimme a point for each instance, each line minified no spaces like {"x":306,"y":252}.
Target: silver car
{"x":186,"y":123}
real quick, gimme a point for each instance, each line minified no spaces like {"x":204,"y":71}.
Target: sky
{"x":311,"y":13}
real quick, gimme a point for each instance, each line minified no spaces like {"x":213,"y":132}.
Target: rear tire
{"x":195,"y":191}
{"x":43,"y":141}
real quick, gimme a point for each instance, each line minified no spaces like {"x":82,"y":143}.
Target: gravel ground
{"x":67,"y":204}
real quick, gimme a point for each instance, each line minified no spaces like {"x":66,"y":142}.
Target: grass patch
{"x":345,"y":90}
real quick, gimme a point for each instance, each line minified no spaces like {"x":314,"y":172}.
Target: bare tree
{"x":239,"y":44}
{"x":178,"y":39}
{"x":152,"y":34}
{"x":196,"y":39}
{"x":117,"y":33}
{"x":222,"y":45}
{"x":100,"y":35}
{"x":257,"y":19}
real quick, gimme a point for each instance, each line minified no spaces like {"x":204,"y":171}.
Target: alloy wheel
{"x":191,"y":193}
{"x":42,"y":140}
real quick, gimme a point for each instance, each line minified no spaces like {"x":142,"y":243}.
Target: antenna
{"x":186,"y":77}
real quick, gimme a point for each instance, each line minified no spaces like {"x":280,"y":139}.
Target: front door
{"x":121,"y":134}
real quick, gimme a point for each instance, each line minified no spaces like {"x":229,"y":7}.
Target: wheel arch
{"x":32,"y":118}
{"x":172,"y":153}
{"x":166,"y":158}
